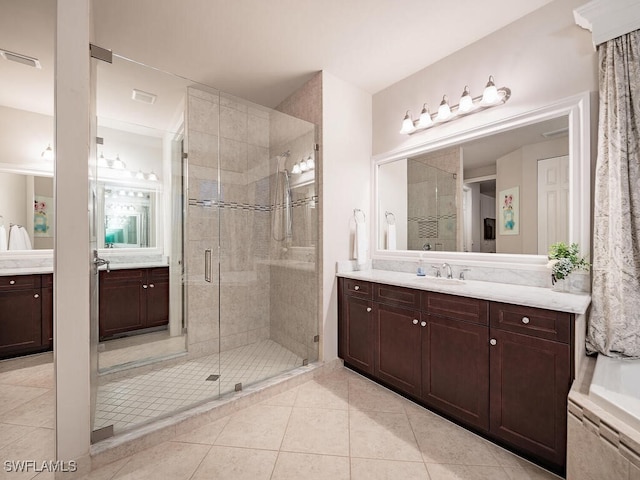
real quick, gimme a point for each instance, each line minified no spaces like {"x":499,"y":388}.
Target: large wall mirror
{"x":503,"y":192}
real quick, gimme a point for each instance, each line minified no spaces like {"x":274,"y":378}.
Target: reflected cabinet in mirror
{"x":512,"y":188}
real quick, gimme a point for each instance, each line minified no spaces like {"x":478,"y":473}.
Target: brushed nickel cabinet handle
{"x":36,"y":296}
{"x":368,"y":309}
{"x":423,"y":324}
{"x":525,"y":320}
{"x":12,"y":282}
{"x":145,"y":286}
{"x":357,"y":287}
{"x":415,"y":321}
{"x":151,"y":285}
{"x":493,"y":341}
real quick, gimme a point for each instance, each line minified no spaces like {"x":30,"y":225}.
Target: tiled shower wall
{"x":433,"y":212}
{"x":258,"y":288}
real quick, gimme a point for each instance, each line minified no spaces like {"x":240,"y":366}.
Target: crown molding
{"x":608,"y":19}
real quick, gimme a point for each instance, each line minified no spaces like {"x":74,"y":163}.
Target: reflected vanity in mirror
{"x":511,"y":188}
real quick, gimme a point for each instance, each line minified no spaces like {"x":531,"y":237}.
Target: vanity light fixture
{"x":119,"y":164}
{"x":303,"y":165}
{"x":311,"y":164}
{"x":491,"y":97}
{"x":425,"y":117}
{"x":407,"y":124}
{"x":152,"y":177}
{"x":296,"y":169}
{"x":140,"y":175}
{"x":47,"y":154}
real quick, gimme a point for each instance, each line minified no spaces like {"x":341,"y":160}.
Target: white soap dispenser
{"x":421,"y":270}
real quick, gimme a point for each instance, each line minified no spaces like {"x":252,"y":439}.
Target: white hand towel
{"x":3,"y":239}
{"x":361,"y":242}
{"x":19,"y":238}
{"x":391,"y":237}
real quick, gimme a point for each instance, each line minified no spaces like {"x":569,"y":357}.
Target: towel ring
{"x":391,"y":218}
{"x":355,"y":214}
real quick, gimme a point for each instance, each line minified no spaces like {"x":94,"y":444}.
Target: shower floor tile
{"x":130,"y":401}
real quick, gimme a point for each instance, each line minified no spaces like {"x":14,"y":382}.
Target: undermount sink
{"x":443,"y":281}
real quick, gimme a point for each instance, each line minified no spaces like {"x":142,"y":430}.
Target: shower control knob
{"x":368,"y":309}
{"x":493,"y":341}
{"x":525,"y":320}
{"x":415,"y":321}
{"x":357,"y":287}
{"x":36,"y":296}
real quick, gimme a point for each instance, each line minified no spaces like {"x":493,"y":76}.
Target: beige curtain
{"x":614,"y":323}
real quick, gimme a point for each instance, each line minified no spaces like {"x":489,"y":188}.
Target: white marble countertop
{"x":6,"y":272}
{"x":499,"y":292}
{"x":128,"y":266}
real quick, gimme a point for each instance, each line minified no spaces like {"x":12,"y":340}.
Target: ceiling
{"x":255,"y":49}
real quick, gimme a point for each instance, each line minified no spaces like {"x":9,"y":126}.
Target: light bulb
{"x":444,"y":111}
{"x":490,"y":95}
{"x":140,"y":194}
{"x":303,"y":165}
{"x":466,"y":102}
{"x":140,"y":175}
{"x":311,"y":164}
{"x":407,"y":124}
{"x":425,"y":117}
{"x":296,"y":169}
{"x":153,"y":177}
{"x":118,"y":164}
{"x":102,"y":162}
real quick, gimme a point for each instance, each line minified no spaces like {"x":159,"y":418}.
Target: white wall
{"x":24,"y":136}
{"x":542,"y":57}
{"x":13,"y":199}
{"x":71,"y":256}
{"x":346,"y":144}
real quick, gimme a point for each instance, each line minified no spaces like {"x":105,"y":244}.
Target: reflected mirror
{"x":503,"y":193}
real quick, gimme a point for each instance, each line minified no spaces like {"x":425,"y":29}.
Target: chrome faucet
{"x":448,"y":270}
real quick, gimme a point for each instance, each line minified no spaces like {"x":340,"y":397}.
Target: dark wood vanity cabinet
{"x":503,"y":370}
{"x":21,"y":315}
{"x":531,"y":374}
{"x":132,"y":299}
{"x":356,"y":327}
{"x":455,"y":357}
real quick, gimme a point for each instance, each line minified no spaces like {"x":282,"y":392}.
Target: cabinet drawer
{"x":19,"y":282}
{"x":461,"y":308}
{"x":124,"y":275}
{"x":399,"y":296}
{"x":536,"y":322}
{"x":357,"y":288}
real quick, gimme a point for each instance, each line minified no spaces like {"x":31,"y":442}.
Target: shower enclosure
{"x":235,"y":224}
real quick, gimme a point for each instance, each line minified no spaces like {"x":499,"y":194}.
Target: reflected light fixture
{"x":119,"y":164}
{"x":140,"y":175}
{"x":47,"y":154}
{"x":491,"y":97}
{"x":311,"y":164}
{"x":153,"y":177}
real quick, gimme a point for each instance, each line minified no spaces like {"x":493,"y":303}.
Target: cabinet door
{"x":455,"y":369}
{"x":157,"y":297}
{"x":357,"y":333}
{"x":530,"y":381}
{"x":20,"y":321}
{"x":398,"y":348}
{"x":122,"y":301}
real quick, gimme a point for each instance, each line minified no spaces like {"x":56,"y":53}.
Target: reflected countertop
{"x":499,"y":292}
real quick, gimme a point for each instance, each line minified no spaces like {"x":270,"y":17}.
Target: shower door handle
{"x":207,"y":265}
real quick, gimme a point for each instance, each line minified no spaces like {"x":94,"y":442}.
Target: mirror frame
{"x":577,"y":109}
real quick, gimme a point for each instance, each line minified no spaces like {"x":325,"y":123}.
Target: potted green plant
{"x":564,"y":259}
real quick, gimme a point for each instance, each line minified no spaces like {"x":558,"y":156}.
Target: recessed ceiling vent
{"x":23,"y":59}
{"x":143,"y":97}
{"x":556,"y":133}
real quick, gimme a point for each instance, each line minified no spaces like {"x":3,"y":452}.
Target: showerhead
{"x":282,"y":160}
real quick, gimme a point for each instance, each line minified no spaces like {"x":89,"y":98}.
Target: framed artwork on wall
{"x":510,"y":211}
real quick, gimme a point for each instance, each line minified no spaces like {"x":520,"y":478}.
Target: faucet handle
{"x":437,"y":269}
{"x":461,"y":276}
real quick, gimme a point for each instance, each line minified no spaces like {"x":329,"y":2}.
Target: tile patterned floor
{"x":130,"y":401}
{"x":338,"y":426}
